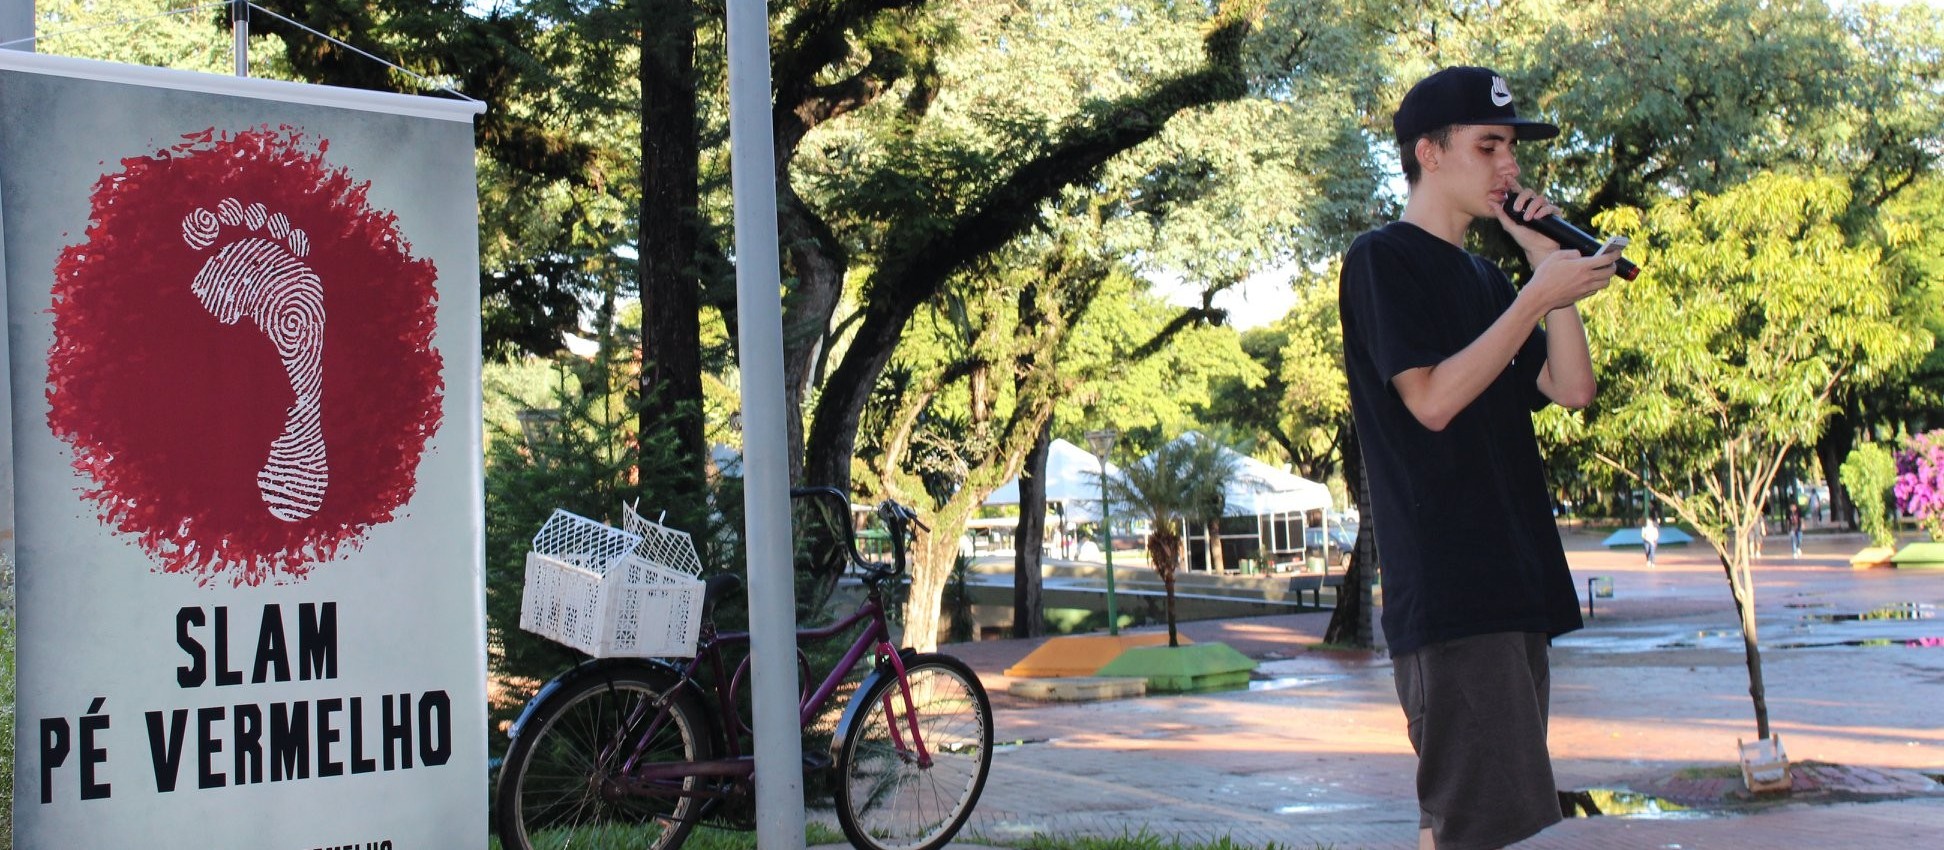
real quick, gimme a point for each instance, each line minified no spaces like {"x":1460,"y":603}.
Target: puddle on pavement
{"x":1009,"y":746}
{"x":1898,"y":611}
{"x":1277,"y":683}
{"x":1702,"y":635}
{"x":1606,"y":802}
{"x":1918,"y":643}
{"x":1319,"y":808}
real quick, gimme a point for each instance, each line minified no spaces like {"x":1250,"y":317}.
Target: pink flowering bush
{"x":1920,"y":481}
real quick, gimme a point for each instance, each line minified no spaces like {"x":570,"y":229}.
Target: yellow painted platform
{"x":1875,"y":556}
{"x":1080,"y":655}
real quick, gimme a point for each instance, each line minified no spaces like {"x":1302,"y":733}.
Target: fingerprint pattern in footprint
{"x":261,"y":274}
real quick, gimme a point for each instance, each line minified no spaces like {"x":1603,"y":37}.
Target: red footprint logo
{"x":220,"y":420}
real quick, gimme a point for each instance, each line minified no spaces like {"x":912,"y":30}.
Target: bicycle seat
{"x":715,"y":587}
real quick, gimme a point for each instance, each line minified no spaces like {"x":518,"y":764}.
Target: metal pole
{"x":1102,"y":443}
{"x":766,"y":498}
{"x":240,"y":35}
{"x":1107,"y":549}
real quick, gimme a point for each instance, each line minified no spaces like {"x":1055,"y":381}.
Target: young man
{"x":1446,"y":363}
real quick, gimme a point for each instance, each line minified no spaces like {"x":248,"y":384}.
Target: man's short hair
{"x":1407,"y":151}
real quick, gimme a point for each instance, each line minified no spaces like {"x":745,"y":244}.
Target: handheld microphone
{"x":1561,"y":231}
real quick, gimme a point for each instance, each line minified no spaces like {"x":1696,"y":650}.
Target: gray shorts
{"x":1477,"y":713}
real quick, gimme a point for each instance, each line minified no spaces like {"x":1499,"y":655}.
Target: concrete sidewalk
{"x":1650,"y":698}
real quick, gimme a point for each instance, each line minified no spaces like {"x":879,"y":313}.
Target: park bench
{"x":1313,"y":584}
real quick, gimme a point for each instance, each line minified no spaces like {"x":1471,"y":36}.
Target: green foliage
{"x":1723,"y":356}
{"x":583,"y":454}
{"x":1868,"y":473}
{"x":164,"y":33}
{"x":1755,"y":306}
{"x":1303,"y":402}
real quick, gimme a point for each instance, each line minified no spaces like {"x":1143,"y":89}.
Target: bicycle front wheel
{"x":563,"y":783}
{"x":889,"y":798}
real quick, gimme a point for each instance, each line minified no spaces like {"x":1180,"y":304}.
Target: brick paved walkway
{"x":1651,"y":697}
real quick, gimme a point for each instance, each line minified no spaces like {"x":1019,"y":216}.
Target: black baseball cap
{"x":1463,"y":95}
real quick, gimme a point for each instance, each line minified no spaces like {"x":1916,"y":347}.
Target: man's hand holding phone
{"x":1612,"y":247}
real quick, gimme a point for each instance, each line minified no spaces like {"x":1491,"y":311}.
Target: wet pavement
{"x":1648,"y":703}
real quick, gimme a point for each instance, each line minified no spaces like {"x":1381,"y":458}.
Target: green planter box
{"x":1184,"y":669}
{"x":1920,"y":556}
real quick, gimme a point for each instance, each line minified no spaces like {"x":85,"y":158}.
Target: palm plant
{"x":1182,"y":482}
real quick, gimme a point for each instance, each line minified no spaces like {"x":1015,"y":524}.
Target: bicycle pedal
{"x":815,"y":762}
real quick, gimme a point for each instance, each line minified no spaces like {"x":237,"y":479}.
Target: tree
{"x":1723,"y":356}
{"x":952,"y":429}
{"x":1869,"y":472}
{"x":949,"y":209}
{"x":1181,"y":482}
{"x":1303,"y":404}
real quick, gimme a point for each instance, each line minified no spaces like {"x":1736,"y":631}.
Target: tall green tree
{"x":1725,"y":354}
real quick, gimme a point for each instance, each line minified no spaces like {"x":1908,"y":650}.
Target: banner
{"x":243,"y":334}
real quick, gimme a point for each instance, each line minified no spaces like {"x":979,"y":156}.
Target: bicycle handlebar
{"x":898,"y":520}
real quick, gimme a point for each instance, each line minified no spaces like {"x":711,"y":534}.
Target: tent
{"x":1259,"y":489}
{"x":1280,"y":502}
{"x":1072,"y":480}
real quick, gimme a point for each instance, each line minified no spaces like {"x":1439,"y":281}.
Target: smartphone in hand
{"x":1613,"y":245}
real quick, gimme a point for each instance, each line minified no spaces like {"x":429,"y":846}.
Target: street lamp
{"x":1102,"y":443}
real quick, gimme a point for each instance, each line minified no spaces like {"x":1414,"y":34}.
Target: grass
{"x":620,"y":837}
{"x":1728,"y":771}
{"x":6,"y":706}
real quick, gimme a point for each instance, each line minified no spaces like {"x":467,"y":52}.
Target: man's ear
{"x":1428,"y":152}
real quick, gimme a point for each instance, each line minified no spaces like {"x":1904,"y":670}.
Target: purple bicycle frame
{"x":666,"y":777}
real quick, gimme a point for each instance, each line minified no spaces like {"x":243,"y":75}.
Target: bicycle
{"x":623,"y":745}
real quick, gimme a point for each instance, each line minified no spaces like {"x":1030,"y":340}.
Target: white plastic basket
{"x":660,"y":545}
{"x":588,"y":586}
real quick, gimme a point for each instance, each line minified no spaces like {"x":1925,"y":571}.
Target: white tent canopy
{"x":1072,"y":479}
{"x":1259,"y":489}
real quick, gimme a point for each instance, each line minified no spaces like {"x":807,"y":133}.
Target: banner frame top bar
{"x":417,"y":106}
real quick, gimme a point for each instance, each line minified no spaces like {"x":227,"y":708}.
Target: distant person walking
{"x":1446,"y":361}
{"x":1650,"y":538}
{"x":1795,"y":530}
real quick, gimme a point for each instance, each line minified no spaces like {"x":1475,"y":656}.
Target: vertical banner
{"x":243,"y":333}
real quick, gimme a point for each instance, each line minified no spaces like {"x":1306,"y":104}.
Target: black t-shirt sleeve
{"x":1399,"y":324}
{"x":1532,"y":357}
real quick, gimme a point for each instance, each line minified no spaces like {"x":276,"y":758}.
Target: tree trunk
{"x":1168,"y":583}
{"x":816,"y":262}
{"x":671,"y":376}
{"x":1028,"y":613}
{"x":1217,"y":561}
{"x":1741,"y":581}
{"x":1164,"y":548}
{"x":931,"y":567}
{"x":1832,"y":448}
{"x":1351,"y":623}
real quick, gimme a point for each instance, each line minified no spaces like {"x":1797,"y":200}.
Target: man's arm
{"x":1567,"y":378}
{"x":1436,"y":394}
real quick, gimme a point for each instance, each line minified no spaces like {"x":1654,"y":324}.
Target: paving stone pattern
{"x":1650,"y":698}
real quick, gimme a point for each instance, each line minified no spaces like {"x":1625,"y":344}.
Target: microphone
{"x":1560,"y":230}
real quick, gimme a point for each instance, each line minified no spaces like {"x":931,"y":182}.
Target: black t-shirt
{"x":1464,"y":527}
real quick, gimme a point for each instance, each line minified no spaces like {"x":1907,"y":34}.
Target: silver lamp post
{"x":1102,"y":443}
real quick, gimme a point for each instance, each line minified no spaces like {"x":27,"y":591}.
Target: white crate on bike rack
{"x":588,"y":586}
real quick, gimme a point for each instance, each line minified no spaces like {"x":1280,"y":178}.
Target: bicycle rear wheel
{"x":886,"y":800}
{"x":562,"y":785}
